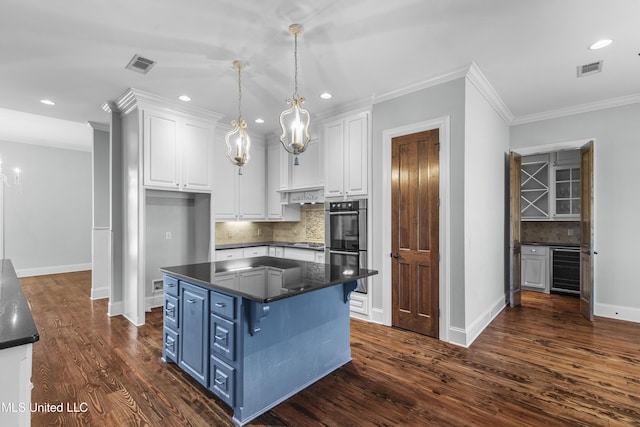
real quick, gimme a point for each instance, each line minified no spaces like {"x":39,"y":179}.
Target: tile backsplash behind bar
{"x":310,"y":228}
{"x":550,"y":231}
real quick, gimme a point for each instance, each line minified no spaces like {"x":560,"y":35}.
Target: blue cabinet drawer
{"x":222,"y":381}
{"x":171,"y":312}
{"x":171,"y":285}
{"x":170,"y":345}
{"x":223,"y":338}
{"x":223,"y":305}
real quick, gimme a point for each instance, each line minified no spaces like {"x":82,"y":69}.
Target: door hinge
{"x":438,"y":257}
{"x":438,"y":313}
{"x":438,"y":202}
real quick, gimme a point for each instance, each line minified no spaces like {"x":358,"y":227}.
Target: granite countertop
{"x":16,"y":322}
{"x":255,"y":283}
{"x":302,"y":245}
{"x":567,"y":245}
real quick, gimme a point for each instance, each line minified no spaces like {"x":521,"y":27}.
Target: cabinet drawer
{"x":171,"y":312}
{"x":535,"y":250}
{"x":223,"y":305}
{"x":222,"y":381}
{"x":223,"y":337}
{"x":170,"y":343}
{"x":225,"y":254}
{"x":171,"y":285}
{"x":255,"y":251}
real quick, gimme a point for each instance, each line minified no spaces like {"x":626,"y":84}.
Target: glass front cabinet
{"x":550,"y":186}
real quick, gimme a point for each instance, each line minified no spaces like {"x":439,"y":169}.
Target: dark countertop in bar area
{"x":297,"y":277}
{"x":16,"y":322}
{"x":302,"y":245}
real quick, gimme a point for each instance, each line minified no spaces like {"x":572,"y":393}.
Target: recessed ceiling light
{"x":325,"y":95}
{"x":600,"y":44}
{"x":47,"y":102}
{"x":259,"y":121}
{"x":184,"y":98}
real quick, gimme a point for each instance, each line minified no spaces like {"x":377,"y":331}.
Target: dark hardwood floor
{"x":539,"y":364}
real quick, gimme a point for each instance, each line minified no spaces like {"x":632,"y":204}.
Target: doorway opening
{"x":551,"y":240}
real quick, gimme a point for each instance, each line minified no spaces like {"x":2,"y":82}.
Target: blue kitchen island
{"x":255,"y":331}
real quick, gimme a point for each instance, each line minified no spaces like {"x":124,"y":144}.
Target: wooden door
{"x":415,"y":232}
{"x":586,"y":224}
{"x":515,"y":250}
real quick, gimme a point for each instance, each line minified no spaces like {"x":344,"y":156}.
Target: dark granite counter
{"x":289,"y":278}
{"x":301,"y":245}
{"x":567,"y":245}
{"x":16,"y":323}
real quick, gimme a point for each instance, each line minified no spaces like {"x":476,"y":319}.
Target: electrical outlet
{"x":167,"y":235}
{"x":259,"y":231}
{"x":570,"y":232}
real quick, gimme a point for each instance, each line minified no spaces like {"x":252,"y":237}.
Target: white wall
{"x":446,"y":99}
{"x":486,"y":144}
{"x":48,"y":225}
{"x":617,"y":149}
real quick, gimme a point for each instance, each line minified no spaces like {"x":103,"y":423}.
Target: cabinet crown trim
{"x":135,"y":98}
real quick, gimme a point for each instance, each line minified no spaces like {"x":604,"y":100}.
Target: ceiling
{"x":74,"y":52}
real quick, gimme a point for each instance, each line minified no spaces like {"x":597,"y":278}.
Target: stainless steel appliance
{"x":565,"y":270}
{"x":345,"y":236}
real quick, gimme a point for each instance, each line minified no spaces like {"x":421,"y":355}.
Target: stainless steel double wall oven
{"x":346,"y":236}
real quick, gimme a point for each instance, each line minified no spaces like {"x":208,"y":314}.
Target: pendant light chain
{"x":239,"y":95}
{"x":295,"y":61}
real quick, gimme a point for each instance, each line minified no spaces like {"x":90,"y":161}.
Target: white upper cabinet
{"x":239,"y":197}
{"x":277,"y":179}
{"x":177,"y":151}
{"x":310,"y":170}
{"x":347,"y":156}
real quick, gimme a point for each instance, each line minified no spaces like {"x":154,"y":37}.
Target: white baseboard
{"x":56,"y":269}
{"x":630,"y":314}
{"x":99,"y":293}
{"x":465,"y":337}
{"x":377,"y":316}
{"x":115,"y":308}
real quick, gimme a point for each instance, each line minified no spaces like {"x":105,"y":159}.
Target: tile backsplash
{"x":310,"y":228}
{"x":550,"y":231}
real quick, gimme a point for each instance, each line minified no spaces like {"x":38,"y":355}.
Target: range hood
{"x":302,"y":195}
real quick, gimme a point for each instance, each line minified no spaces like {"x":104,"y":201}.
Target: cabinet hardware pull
{"x":221,"y":338}
{"x":220,"y":304}
{"x":191,"y":301}
{"x":219,"y":381}
{"x":171,"y":285}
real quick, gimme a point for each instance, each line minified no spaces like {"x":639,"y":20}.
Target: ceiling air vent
{"x":585,"y":70}
{"x":140,"y":64}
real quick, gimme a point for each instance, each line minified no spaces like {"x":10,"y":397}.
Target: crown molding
{"x":578,"y":109}
{"x":99,"y":126}
{"x":451,"y":75}
{"x":477,"y":78}
{"x":135,"y":98}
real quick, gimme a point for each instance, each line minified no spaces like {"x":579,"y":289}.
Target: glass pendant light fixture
{"x":295,"y":120}
{"x":237,"y":139}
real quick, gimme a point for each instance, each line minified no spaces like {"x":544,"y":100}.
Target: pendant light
{"x":295,"y":120}
{"x":237,"y":139}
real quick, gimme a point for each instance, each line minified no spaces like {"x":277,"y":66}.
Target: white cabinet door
{"x":356,"y":155}
{"x":334,"y":161}
{"x":197,"y":151}
{"x":347,"y":156}
{"x":252,"y":185}
{"x":239,"y":196}
{"x":161,"y":145}
{"x":309,"y":172}
{"x":225,"y":182}
{"x":535,"y":268}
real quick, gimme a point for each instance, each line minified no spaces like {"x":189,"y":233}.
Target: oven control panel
{"x":344,"y":206}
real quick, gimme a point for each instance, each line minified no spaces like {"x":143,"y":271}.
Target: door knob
{"x":394,"y":255}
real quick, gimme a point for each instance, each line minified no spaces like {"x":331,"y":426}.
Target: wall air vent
{"x":588,"y":69}
{"x":140,"y":64}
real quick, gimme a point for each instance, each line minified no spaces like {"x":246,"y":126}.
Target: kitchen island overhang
{"x":270,"y":327}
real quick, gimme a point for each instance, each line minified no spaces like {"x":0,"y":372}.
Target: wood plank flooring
{"x":539,"y":364}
